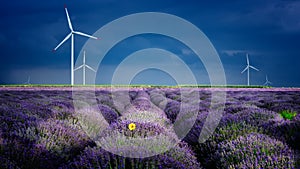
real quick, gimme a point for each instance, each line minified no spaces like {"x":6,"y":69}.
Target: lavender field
{"x":41,"y":128}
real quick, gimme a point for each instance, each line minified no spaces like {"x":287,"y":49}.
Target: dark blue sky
{"x":268,"y":30}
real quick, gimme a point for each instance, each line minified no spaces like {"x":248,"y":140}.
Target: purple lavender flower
{"x":172,"y":109}
{"x":109,"y":114}
{"x":254,"y":149}
{"x":142,"y":130}
{"x":284,"y":130}
{"x":179,"y":157}
{"x":6,"y":163}
{"x":61,"y":139}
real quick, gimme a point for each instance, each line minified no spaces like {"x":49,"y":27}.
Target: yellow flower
{"x":131,"y":126}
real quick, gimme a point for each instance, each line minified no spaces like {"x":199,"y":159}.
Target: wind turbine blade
{"x":247,"y":59}
{"x":254,"y":68}
{"x":245,"y":69}
{"x":90,"y":68}
{"x":78,"y":68}
{"x":69,"y":20}
{"x":86,"y":35}
{"x":66,"y":38}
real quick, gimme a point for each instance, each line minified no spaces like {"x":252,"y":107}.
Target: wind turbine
{"x":267,"y":81}
{"x":83,"y":67}
{"x":28,"y":81}
{"x":248,"y":70}
{"x":71,"y":35}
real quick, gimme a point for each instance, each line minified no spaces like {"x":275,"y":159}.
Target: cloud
{"x":233,"y":52}
{"x":290,"y":19}
{"x":237,"y":52}
{"x":185,"y":51}
{"x":280,"y":15}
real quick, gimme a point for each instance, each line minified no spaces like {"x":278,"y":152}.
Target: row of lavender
{"x":251,"y":134}
{"x":150,"y":122}
{"x":40,"y":129}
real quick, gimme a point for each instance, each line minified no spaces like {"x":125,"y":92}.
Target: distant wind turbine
{"x":28,"y":81}
{"x":71,"y":34}
{"x":83,"y":67}
{"x":267,"y":82}
{"x":248,"y":70}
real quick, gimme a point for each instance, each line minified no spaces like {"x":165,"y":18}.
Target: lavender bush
{"x":6,"y":163}
{"x":178,"y":157}
{"x":254,"y":151}
{"x":108,"y":113}
{"x":143,"y":130}
{"x":61,"y":139}
{"x":284,"y":130}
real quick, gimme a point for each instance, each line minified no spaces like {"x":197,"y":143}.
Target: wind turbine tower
{"x":83,"y":66}
{"x":248,"y":70}
{"x":71,"y":35}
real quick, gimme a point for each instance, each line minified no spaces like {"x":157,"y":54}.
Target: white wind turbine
{"x":28,"y":81}
{"x":267,"y":82}
{"x":71,"y":34}
{"x":248,"y":70}
{"x":83,"y":67}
